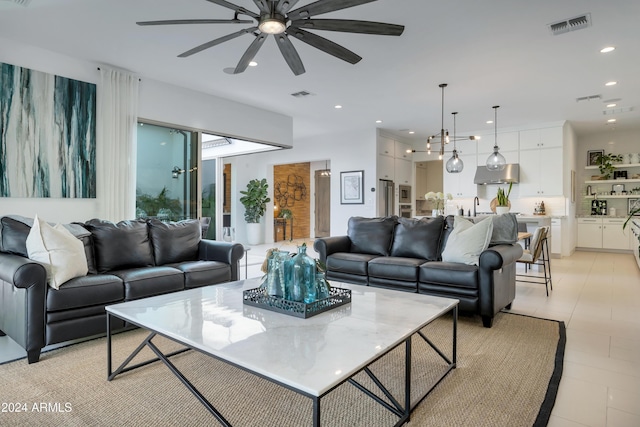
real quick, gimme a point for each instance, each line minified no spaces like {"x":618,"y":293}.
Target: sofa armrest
{"x":23,"y":289}
{"x":326,"y":246}
{"x":497,"y":277}
{"x":229,"y":253}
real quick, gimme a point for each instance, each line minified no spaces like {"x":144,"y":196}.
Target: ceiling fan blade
{"x":235,"y":7}
{"x":323,"y":44}
{"x":216,"y":42}
{"x":290,"y":54}
{"x":285,"y":6}
{"x":262,"y":5}
{"x":250,"y":53}
{"x":196,"y":21}
{"x":350,"y":26}
{"x":324,"y":6}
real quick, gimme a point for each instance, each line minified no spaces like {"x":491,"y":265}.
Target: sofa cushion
{"x":174,"y":242}
{"x":60,"y":251}
{"x":467,"y":241}
{"x":120,"y":246}
{"x":418,"y":238}
{"x":203,"y":273}
{"x":14,"y":236}
{"x":371,"y":235}
{"x":395,"y":268}
{"x":449,"y":274}
{"x":86,"y":291}
{"x":350,"y":263}
{"x":146,"y":282}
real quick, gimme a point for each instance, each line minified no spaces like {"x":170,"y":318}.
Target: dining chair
{"x":537,"y":254}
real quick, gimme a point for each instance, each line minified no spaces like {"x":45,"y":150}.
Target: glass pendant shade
{"x":496,"y":161}
{"x":454,"y":164}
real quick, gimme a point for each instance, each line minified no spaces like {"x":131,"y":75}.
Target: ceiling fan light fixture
{"x":272,"y":24}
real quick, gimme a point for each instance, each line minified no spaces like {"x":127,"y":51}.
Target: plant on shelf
{"x":605,"y":163}
{"x":285,"y":213}
{"x":502,"y":199}
{"x":255,"y":200}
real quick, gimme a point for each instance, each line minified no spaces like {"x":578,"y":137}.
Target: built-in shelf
{"x":612,"y":181}
{"x":617,"y":165}
{"x":626,"y":196}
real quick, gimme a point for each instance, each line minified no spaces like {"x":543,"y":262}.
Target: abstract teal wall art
{"x":47,"y":135}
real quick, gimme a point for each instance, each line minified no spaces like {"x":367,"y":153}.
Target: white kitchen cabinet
{"x":507,"y":141}
{"x":603,"y":233}
{"x":540,"y":138}
{"x":386,"y":146}
{"x":613,"y":236}
{"x":385,"y":167}
{"x":541,"y":172}
{"x":400,"y":150}
{"x":590,"y":233}
{"x":461,"y":185}
{"x":556,"y":236}
{"x":402,"y":171}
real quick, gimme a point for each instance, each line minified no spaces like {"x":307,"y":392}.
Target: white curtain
{"x":116,"y":144}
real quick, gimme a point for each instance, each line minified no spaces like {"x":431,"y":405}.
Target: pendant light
{"x":454,"y":164}
{"x":496,"y":161}
{"x":326,"y":171}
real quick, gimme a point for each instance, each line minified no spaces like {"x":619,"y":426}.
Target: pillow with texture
{"x":467,"y":241}
{"x":505,"y":229}
{"x":418,"y":238}
{"x":60,"y":251}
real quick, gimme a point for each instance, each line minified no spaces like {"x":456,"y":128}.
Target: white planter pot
{"x":502,"y":209}
{"x":254,"y":233}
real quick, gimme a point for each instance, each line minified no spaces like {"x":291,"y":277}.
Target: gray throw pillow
{"x":418,"y":238}
{"x":371,"y":235}
{"x":505,"y":229}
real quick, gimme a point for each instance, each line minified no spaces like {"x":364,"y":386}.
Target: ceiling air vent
{"x":573,"y":24}
{"x":20,"y":2}
{"x":302,"y":94}
{"x":588,"y":98}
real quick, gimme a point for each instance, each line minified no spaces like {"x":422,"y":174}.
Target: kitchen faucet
{"x":476,"y":202}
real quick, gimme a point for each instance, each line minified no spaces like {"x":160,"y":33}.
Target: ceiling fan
{"x":276,"y":17}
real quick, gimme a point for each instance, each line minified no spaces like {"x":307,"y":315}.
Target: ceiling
{"x":497,"y":52}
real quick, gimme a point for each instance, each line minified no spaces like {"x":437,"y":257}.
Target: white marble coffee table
{"x":337,"y":344}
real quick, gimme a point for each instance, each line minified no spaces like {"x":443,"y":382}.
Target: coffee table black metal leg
{"x":316,"y":412}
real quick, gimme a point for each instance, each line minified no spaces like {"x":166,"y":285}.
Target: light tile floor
{"x":597,"y":295}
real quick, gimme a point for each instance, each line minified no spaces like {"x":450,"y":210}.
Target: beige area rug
{"x":506,"y":376}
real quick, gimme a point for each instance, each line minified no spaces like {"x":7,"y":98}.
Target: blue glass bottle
{"x":276,"y":275}
{"x":322,"y":290}
{"x":303,"y":277}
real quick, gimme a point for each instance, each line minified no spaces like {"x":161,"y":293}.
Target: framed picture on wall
{"x":593,"y":156}
{"x":634,"y":205}
{"x":352,"y":188}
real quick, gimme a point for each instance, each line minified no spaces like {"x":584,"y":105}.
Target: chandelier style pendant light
{"x":455,"y":163}
{"x":496,"y":161}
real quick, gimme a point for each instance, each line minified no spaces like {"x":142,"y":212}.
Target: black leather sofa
{"x":126,"y":261}
{"x":406,"y":255}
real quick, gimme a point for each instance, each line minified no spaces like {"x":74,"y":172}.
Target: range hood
{"x":511,"y":173}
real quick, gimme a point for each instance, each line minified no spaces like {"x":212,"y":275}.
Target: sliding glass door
{"x":166,"y":178}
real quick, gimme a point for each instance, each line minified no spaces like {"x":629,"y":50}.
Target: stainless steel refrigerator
{"x":386,"y":197}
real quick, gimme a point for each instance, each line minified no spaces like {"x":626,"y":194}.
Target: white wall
{"x":345,"y":151}
{"x":158,"y":102}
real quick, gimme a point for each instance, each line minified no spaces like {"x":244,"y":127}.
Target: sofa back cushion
{"x":371,"y":235}
{"x":122,"y":245}
{"x":174,"y":242}
{"x":14,"y":236}
{"x":418,"y":238}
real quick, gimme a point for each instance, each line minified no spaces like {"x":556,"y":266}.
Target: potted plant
{"x":502,"y":200}
{"x":605,"y":165}
{"x":255,"y":199}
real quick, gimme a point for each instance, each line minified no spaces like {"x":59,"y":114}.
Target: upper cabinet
{"x":541,"y":162}
{"x":541,"y":138}
{"x":394,"y":161}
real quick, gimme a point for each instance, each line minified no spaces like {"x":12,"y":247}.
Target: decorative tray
{"x":257,"y":298}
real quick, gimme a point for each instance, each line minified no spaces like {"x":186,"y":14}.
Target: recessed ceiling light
{"x":378,"y":121}
{"x":337,"y":107}
{"x":611,"y":83}
{"x":489,"y":122}
{"x":607,"y":49}
{"x":253,"y":64}
{"x":611,"y":120}
{"x":411,"y":132}
{"x":611,"y":105}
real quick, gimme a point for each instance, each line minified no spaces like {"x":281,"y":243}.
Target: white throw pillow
{"x":59,"y":250}
{"x":467,"y":240}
